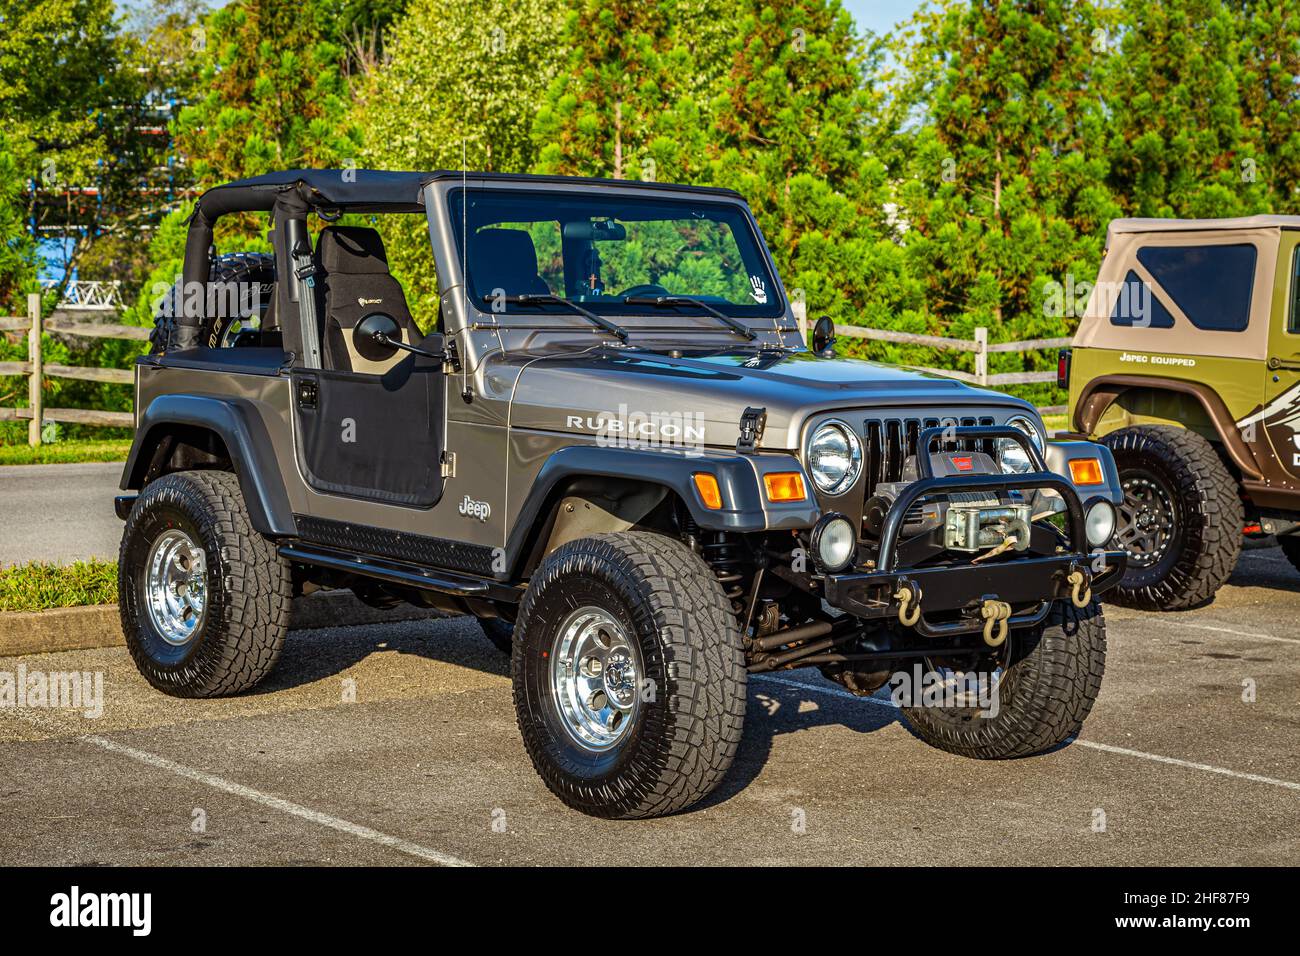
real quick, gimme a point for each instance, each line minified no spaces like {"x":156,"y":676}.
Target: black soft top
{"x":380,"y":190}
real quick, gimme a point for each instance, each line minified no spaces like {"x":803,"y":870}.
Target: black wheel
{"x":1181,"y":519}
{"x":629,"y":676}
{"x":1291,"y":548}
{"x":500,"y":632}
{"x":1030,"y":699}
{"x":204,"y":598}
{"x":241,"y":274}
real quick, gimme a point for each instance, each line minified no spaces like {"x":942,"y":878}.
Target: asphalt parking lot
{"x":396,"y":744}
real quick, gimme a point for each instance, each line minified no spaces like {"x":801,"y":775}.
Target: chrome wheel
{"x":176,"y":586}
{"x":594,"y":679}
{"x":1146,"y":521}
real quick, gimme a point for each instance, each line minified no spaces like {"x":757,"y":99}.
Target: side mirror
{"x":375,"y":335}
{"x":378,"y":336}
{"x":823,"y":336}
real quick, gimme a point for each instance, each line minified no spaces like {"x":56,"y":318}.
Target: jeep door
{"x":1280,"y":416}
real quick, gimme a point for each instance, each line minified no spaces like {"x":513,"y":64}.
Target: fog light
{"x":1099,"y":522}
{"x":834,"y":542}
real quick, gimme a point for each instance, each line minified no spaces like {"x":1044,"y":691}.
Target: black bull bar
{"x":1030,"y":583}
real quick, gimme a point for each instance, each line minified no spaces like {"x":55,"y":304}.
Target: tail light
{"x":1063,"y":370}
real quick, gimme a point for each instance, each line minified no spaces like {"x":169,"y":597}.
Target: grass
{"x":38,"y":587}
{"x":65,"y":452}
{"x":1056,"y":423}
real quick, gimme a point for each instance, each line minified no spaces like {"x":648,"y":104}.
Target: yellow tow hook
{"x":995,"y":614}
{"x":1080,"y":588}
{"x":905,"y":595}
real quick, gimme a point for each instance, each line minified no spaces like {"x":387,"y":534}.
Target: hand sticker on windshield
{"x":759,"y":291}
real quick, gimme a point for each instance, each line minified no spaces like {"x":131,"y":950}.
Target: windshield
{"x":614,"y":254}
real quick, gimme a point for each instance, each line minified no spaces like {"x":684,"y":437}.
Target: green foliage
{"x":626,"y":104}
{"x":39,"y":587}
{"x":1004,"y":180}
{"x":1178,"y":138}
{"x":273,"y":98}
{"x":1268,"y":82}
{"x":17,"y":248}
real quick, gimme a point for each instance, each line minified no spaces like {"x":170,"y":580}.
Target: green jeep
{"x":1187,"y":365}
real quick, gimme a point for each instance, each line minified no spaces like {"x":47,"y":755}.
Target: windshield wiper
{"x":534,"y":298}
{"x":670,"y":301}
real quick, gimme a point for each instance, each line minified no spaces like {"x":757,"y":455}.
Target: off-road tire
{"x":248,"y":588}
{"x":1208,"y":517}
{"x":244,"y":267}
{"x":1291,"y":548}
{"x":500,"y":632}
{"x":1043,"y":697}
{"x":668,"y":601}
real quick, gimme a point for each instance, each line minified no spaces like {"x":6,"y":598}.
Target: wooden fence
{"x":37,"y":370}
{"x":979,"y":345}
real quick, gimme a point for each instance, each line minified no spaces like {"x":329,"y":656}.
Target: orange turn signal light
{"x":1086,"y":471}
{"x":707,"y":486}
{"x":784,"y":486}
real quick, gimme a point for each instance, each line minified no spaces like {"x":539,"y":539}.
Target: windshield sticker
{"x":759,"y":290}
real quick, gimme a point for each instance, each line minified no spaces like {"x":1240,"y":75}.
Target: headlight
{"x":834,"y":457}
{"x":1099,"y":522}
{"x":834,"y":542}
{"x":1011,"y":454}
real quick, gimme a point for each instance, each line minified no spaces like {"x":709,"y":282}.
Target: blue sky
{"x":879,"y":16}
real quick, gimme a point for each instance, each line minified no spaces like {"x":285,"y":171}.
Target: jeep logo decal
{"x":475,"y":509}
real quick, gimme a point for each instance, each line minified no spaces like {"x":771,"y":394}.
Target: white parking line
{"x":284,"y":806}
{"x":1090,"y":744}
{"x":1228,"y":630}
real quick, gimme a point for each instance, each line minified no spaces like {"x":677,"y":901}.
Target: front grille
{"x":889,"y":442}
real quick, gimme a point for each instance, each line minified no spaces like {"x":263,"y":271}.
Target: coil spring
{"x":725,"y":555}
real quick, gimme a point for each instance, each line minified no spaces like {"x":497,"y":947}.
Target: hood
{"x":700,"y":399}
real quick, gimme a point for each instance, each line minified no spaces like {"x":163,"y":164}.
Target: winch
{"x":970,"y":521}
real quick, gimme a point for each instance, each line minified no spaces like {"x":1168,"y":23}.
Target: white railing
{"x":89,"y":294}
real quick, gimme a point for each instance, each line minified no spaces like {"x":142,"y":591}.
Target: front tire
{"x":1181,"y":519}
{"x":629,"y":676}
{"x":204,"y":598}
{"x":1043,"y":693}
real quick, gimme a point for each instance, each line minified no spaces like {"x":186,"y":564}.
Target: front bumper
{"x":1030,"y":585}
{"x":950,"y":595}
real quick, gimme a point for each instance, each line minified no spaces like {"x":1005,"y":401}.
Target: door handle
{"x":1276,"y":363}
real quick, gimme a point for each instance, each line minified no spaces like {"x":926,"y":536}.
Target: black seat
{"x":504,"y":259}
{"x":352,"y":268}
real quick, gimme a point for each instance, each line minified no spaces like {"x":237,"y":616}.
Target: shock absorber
{"x":726,"y":555}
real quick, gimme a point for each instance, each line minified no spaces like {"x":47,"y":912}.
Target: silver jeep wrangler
{"x":612,"y":446}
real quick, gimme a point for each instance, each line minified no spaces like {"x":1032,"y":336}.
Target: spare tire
{"x":246,"y":283}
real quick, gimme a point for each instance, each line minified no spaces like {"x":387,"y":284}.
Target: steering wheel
{"x":648,"y":288}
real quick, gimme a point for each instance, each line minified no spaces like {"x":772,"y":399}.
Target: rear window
{"x":1211,"y":284}
{"x":1293,"y":317}
{"x":1136,"y":306}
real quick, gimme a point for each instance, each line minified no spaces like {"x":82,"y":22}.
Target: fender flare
{"x":745,"y":506}
{"x":240,"y":428}
{"x":1100,"y":393}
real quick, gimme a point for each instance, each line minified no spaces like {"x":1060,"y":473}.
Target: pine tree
{"x":796,"y":130}
{"x":1268,"y":77}
{"x":1004,"y":188}
{"x":275,"y":97}
{"x":1179,"y":146}
{"x":625,"y":105}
